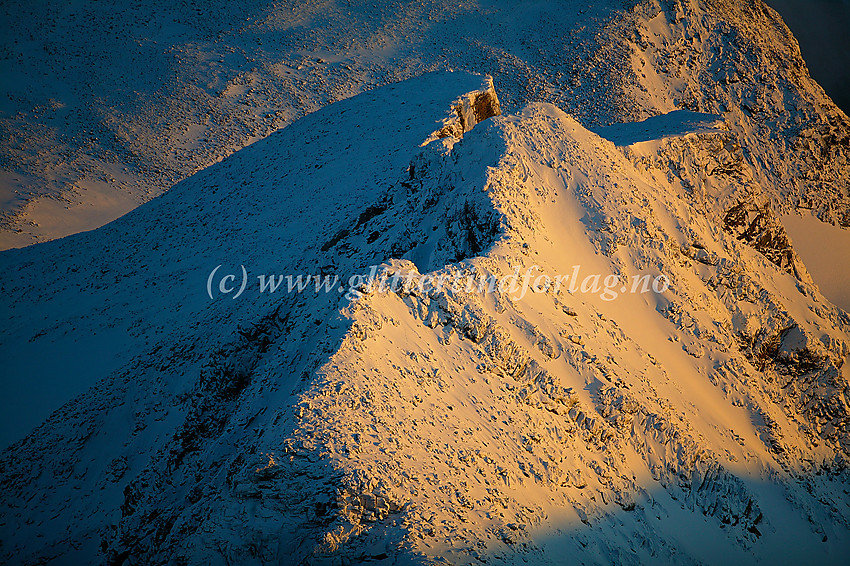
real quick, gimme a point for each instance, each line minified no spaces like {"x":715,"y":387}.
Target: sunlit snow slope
{"x":705,"y":423}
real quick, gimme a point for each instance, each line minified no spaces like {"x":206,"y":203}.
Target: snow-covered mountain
{"x":390,"y":420}
{"x":108,"y":106}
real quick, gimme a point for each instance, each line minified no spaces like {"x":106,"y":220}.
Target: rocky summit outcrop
{"x":472,"y":108}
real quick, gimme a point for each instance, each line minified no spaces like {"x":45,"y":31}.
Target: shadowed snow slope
{"x":703,"y":423}
{"x":270,"y":207}
{"x":672,"y":124}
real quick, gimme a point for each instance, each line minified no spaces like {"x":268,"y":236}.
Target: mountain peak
{"x":538,"y":340}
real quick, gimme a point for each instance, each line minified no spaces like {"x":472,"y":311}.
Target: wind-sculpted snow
{"x":702,"y":421}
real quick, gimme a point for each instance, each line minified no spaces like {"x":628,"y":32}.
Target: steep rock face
{"x":762,"y":230}
{"x":405,"y":422}
{"x":469,"y":110}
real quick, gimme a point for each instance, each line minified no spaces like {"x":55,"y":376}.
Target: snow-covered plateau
{"x":151,"y":416}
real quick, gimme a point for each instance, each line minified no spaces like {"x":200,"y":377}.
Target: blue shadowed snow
{"x":673,"y":124}
{"x":95,"y":299}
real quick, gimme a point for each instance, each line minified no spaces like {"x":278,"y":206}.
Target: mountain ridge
{"x":409,"y":426}
{"x":704,"y":421}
